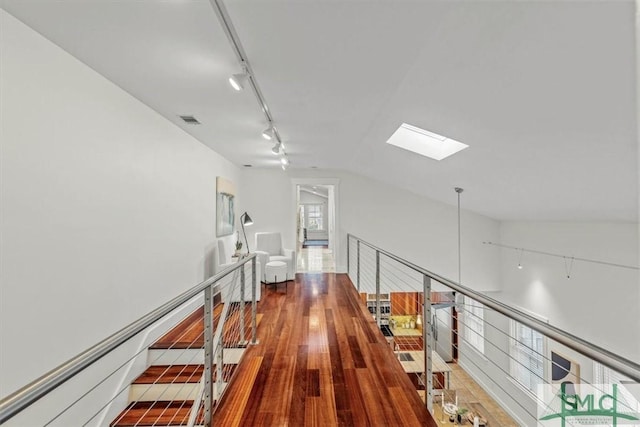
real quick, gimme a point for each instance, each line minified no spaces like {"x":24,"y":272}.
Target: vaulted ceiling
{"x":544,"y":93}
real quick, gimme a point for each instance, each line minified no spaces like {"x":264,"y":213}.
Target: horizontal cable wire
{"x":133,"y":357}
{"x":498,"y":348}
{"x":545,"y":359}
{"x":508,"y":374}
{"x":390,"y":271}
{"x":387,"y":273}
{"x":234,"y":338}
{"x":143,"y":349}
{"x":220,"y":286}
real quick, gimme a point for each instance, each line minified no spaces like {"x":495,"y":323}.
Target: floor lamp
{"x":245,"y":219}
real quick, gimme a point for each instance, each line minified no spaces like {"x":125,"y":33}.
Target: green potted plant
{"x":238,"y":245}
{"x":460,"y":415}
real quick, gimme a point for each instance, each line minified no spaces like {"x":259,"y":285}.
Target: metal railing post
{"x":254,"y":312}
{"x":378,"y":288}
{"x":242,"y":342}
{"x":358,"y":265}
{"x":348,"y":256}
{"x":27,"y":395}
{"x":220,"y":366}
{"x":208,"y":353}
{"x":426,"y":343}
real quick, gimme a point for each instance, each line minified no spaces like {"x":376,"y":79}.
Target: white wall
{"x":108,"y":210}
{"x":424,"y":232}
{"x":411,"y":226}
{"x":599,"y":302}
{"x":267,"y":198}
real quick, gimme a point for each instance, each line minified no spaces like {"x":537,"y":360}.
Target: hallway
{"x":315,"y":259}
{"x":320,"y":361}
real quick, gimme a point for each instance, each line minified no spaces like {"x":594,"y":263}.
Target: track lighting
{"x":284,"y":167}
{"x":276,"y":148}
{"x":284,"y":161}
{"x":520,"y":260}
{"x":237,"y":81}
{"x":268,"y":133}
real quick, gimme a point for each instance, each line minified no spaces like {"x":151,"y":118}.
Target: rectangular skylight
{"x":425,"y":143}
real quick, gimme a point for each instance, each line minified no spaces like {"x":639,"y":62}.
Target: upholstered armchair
{"x":222,"y":259}
{"x":269,"y":248}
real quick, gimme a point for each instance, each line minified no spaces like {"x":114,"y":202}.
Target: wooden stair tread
{"x":174,"y":413}
{"x":169,"y":374}
{"x":166,"y":374}
{"x":189,"y":334}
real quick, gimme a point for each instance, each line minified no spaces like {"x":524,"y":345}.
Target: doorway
{"x":315,"y":227}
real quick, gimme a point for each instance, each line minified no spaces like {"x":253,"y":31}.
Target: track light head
{"x":284,"y":161}
{"x":237,"y":81}
{"x":276,"y":148}
{"x":268,"y":133}
{"x":284,"y":167}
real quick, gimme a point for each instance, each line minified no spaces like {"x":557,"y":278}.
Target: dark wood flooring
{"x":321,"y":361}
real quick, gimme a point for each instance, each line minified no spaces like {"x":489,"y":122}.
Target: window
{"x":315,"y":220}
{"x":604,"y":375}
{"x":474,"y":324}
{"x":527,"y":360}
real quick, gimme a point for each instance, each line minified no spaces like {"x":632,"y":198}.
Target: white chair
{"x":222,"y":259}
{"x":269,"y":248}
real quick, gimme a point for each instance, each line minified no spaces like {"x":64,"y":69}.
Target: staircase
{"x":164,"y":394}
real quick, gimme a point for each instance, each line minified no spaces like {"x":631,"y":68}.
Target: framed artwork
{"x":225,"y":206}
{"x":565,"y":371}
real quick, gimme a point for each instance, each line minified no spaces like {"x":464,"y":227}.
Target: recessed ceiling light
{"x":425,"y":143}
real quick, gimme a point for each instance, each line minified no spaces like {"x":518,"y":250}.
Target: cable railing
{"x":517,"y":358}
{"x":171,"y":366}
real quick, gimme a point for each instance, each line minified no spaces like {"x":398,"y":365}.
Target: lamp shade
{"x":246,"y":219}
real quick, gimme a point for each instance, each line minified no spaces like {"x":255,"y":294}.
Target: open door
{"x":315,"y":227}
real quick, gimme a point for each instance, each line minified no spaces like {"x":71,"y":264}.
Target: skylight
{"x":425,"y":143}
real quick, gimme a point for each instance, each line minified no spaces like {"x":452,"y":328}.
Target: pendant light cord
{"x":459,"y":190}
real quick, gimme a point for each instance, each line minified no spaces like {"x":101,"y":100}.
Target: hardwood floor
{"x":321,"y":361}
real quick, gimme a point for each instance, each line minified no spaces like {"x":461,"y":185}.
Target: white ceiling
{"x":542,"y":92}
